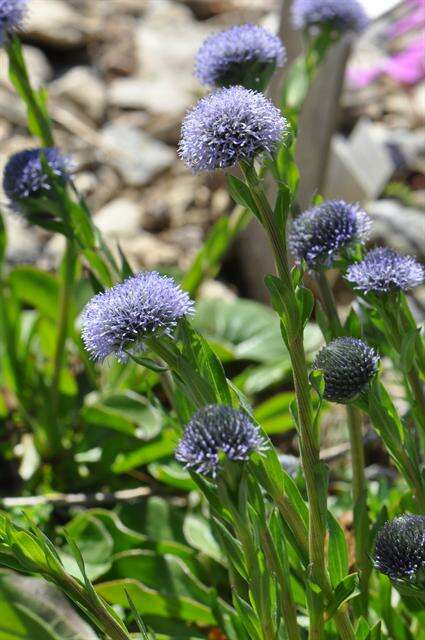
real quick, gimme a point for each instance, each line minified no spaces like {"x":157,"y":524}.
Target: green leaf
{"x":207,"y":261}
{"x":33,"y":609}
{"x":305,"y":300}
{"x":198,"y":533}
{"x":162,"y":447}
{"x":36,"y":288}
{"x":172,"y":474}
{"x":95,"y":544}
{"x":151,"y":602}
{"x":344,"y":591}
{"x":241,"y":194}
{"x":337,"y":551}
{"x":408,"y":350}
{"x":274,"y":415}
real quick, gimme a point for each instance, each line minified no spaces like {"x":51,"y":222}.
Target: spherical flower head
{"x":343,"y":15}
{"x":319,"y":235}
{"x":217,"y":429}
{"x":384,"y":271}
{"x":348,"y":365}
{"x":11,"y":17}
{"x":25,"y":177}
{"x":142,"y":306}
{"x":241,"y":55}
{"x":400,"y":549}
{"x":229,"y":126}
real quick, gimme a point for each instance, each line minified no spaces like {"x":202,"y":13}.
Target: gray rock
{"x":120,"y":218}
{"x":83,"y":86}
{"x":400,"y":227}
{"x":158,"y":95}
{"x":57,"y":24}
{"x":360,"y":167}
{"x":137,"y":156}
{"x":146,"y":250}
{"x":23,"y":243}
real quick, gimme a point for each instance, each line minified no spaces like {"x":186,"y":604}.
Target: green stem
{"x":96,"y":610}
{"x":195,"y":386}
{"x":288,"y":608}
{"x":359,"y":485}
{"x":309,"y":444}
{"x":69,"y":265}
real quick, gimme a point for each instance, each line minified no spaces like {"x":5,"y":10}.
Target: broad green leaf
{"x":151,"y":602}
{"x":199,"y":535}
{"x":161,"y":447}
{"x":33,"y":609}
{"x":337,"y":551}
{"x":36,"y":288}
{"x":95,"y":544}
{"x":172,"y":474}
{"x":274,"y":415}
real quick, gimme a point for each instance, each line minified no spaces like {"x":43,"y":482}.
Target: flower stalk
{"x":359,"y":485}
{"x":309,"y":440}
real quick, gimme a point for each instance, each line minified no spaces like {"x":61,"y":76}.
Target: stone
{"x":400,"y":227}
{"x":84,"y":87}
{"x":148,"y":251}
{"x":38,"y":65}
{"x":136,"y":156}
{"x":23,"y":244}
{"x":156,"y":95}
{"x":216,"y":290}
{"x":360,"y":167}
{"x":120,"y":218}
{"x":56,"y":24}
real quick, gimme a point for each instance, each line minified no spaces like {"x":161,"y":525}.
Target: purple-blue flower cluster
{"x":142,"y":306}
{"x":229,"y":126}
{"x":25,"y":177}
{"x":217,"y":429}
{"x":11,"y":17}
{"x":384,"y":270}
{"x":400,"y":549}
{"x":227,"y":58}
{"x":348,"y":365}
{"x":344,"y":15}
{"x":319,"y":234}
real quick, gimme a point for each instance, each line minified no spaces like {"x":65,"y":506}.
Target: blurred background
{"x":119,"y":74}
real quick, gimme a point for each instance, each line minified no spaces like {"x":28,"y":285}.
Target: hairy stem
{"x":309,"y":441}
{"x":359,"y":485}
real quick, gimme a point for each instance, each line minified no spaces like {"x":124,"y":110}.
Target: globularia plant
{"x":265,"y":558}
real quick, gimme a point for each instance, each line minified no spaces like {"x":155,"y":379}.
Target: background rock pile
{"x":120,"y":76}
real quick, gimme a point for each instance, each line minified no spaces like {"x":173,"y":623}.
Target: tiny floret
{"x":229,"y":126}
{"x":142,"y":306}
{"x":400,"y":549}
{"x":237,"y":55}
{"x":12,"y":14}
{"x":217,"y":429}
{"x":343,"y":15}
{"x":348,"y":365}
{"x":319,"y":235}
{"x":384,"y":270}
{"x":25,"y":177}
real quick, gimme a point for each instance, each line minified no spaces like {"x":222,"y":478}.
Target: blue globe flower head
{"x":121,"y":318}
{"x":348,"y":365}
{"x":228,"y":126}
{"x":25,"y":177}
{"x":343,"y":15}
{"x":243,"y":55}
{"x":319,"y":235}
{"x":12,"y":14}
{"x":217,"y":429}
{"x":400,"y":550}
{"x":385,"y":271}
